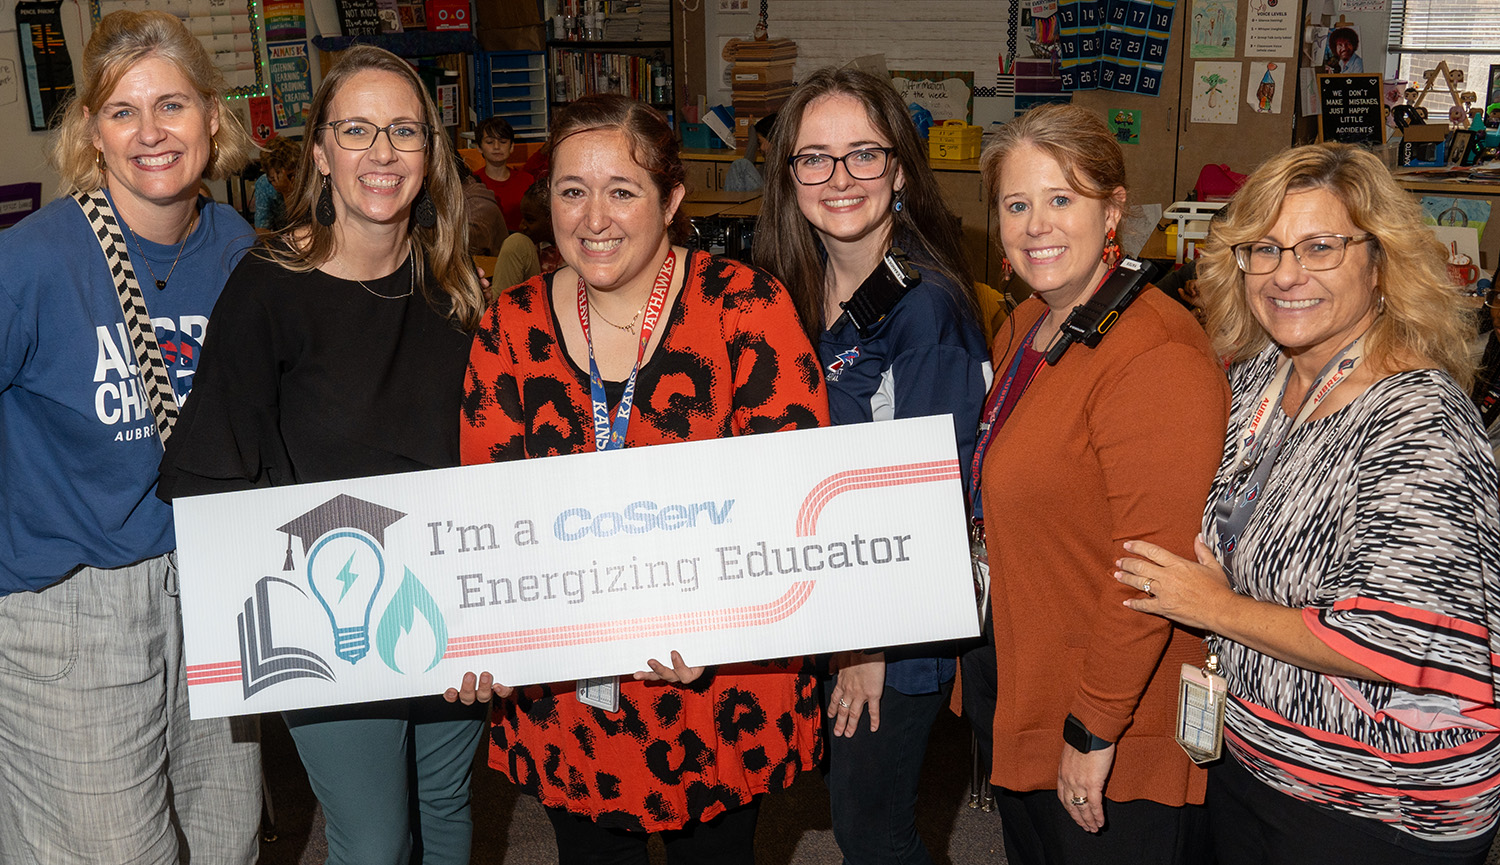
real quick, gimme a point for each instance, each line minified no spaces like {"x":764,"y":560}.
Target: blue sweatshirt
{"x":78,"y":447}
{"x":928,"y":357}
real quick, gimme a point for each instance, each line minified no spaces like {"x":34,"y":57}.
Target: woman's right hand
{"x":480,"y":688}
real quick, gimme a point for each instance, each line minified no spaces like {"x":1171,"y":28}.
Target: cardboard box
{"x":1423,"y":146}
{"x":576,"y":566}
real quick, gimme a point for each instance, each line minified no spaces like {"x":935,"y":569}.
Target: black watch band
{"x":1080,"y":739}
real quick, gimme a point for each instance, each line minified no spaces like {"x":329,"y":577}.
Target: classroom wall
{"x":25,"y":151}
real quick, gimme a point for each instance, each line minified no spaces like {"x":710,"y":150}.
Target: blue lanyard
{"x":610,"y":434}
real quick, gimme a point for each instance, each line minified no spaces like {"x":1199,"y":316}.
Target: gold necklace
{"x":411,"y":283}
{"x":161,"y":284}
{"x":628,"y":328}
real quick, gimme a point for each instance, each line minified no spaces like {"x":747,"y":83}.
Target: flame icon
{"x":400,"y":614}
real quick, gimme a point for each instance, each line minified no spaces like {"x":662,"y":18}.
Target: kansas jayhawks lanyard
{"x":609,"y":434}
{"x":1258,"y":448}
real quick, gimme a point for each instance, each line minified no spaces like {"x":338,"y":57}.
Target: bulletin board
{"x":228,"y":29}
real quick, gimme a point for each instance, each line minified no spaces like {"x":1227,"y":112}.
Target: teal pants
{"x":392,"y":777}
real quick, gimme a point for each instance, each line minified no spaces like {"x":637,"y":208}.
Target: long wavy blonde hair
{"x":1424,"y":323}
{"x":122,"y":40}
{"x":304,"y":243}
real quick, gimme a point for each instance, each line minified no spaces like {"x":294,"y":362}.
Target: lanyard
{"x":1259,"y":448}
{"x":610,"y":434}
{"x":992,"y":407}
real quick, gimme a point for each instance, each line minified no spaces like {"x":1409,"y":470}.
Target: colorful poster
{"x":1271,"y":29}
{"x":286,"y":20}
{"x":1214,"y":29}
{"x":1266,"y":84}
{"x":44,"y":60}
{"x":1216,"y":92}
{"x":1116,"y":45}
{"x":291,"y":88}
{"x":1126,"y":124}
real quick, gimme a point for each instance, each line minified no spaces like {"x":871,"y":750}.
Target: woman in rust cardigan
{"x":1111,"y":443}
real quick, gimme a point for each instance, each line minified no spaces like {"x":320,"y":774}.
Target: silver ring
{"x":1079,"y":801}
{"x":1146,"y":587}
{"x":844,"y":703}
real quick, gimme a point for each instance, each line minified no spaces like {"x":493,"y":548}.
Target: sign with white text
{"x":572,"y":567}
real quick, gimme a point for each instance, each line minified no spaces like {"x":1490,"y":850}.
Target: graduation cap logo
{"x":343,"y":543}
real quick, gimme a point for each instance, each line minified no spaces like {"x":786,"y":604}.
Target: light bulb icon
{"x":343,"y":539}
{"x":345,"y":569}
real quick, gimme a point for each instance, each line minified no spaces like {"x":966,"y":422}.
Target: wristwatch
{"x":1079,"y":737}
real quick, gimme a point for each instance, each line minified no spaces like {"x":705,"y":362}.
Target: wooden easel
{"x":1451,"y":78}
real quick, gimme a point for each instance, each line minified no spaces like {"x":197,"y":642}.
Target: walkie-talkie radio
{"x":1090,"y":322}
{"x":877,"y":295}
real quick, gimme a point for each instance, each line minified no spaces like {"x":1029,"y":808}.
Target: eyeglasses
{"x":1324,"y":252}
{"x":867,"y":163}
{"x":408,"y":135}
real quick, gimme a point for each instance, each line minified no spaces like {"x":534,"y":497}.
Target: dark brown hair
{"x":652,"y":144}
{"x":786,"y":244}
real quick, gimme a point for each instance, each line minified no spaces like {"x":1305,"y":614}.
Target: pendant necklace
{"x":628,"y":328}
{"x":161,"y":284}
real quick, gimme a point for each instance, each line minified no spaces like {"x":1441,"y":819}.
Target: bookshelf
{"x":633,"y":57}
{"x":513,"y":85}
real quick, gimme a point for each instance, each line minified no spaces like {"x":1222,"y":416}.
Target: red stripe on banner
{"x":629,"y":629}
{"x":220,"y":667}
{"x":861,"y":479}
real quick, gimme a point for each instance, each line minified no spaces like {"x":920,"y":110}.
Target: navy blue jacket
{"x":928,"y":357}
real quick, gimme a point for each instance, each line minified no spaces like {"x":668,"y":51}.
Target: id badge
{"x":1201,"y":697}
{"x":980,"y":565}
{"x":602,"y":693}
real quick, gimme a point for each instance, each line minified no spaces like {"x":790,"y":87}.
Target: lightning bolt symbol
{"x":347,"y":576}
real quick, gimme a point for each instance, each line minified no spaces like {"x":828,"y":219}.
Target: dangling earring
{"x":213,"y":155}
{"x":1111,"y":248}
{"x":1380,"y":304}
{"x":896,"y":203}
{"x":324,"y":211}
{"x":424,"y":210}
{"x":99,"y":161}
{"x":1005,"y":271}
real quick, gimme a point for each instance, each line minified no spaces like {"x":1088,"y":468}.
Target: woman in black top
{"x":338,"y":351}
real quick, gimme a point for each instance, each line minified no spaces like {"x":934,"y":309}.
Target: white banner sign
{"x":556,"y":569}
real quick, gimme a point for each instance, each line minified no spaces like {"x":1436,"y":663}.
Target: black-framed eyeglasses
{"x":1324,"y":252}
{"x":405,"y":135}
{"x":866,"y":163}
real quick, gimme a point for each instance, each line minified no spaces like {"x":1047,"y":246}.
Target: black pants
{"x":1038,"y":831}
{"x":872,"y":779}
{"x":728,"y":839}
{"x":1255,"y":824}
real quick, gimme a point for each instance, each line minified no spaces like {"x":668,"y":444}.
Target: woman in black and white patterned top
{"x":1349,"y":569}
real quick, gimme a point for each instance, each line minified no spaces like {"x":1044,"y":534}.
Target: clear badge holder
{"x":602,"y":693}
{"x":1201,"y":697}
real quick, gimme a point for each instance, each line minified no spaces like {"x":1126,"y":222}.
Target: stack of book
{"x":638,"y":21}
{"x":761,"y":80}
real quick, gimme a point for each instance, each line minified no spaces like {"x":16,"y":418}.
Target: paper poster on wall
{"x":7,"y":15}
{"x":1341,"y":50}
{"x":1120,"y":45}
{"x":1456,"y":212}
{"x":1216,"y":92}
{"x":262,"y":118}
{"x":285,"y":20}
{"x":1126,"y":123}
{"x":10,"y":85}
{"x":291,"y":88}
{"x":1214,"y":30}
{"x":1268,"y":80}
{"x":1271,"y":29}
{"x":45,"y":62}
{"x":944,"y":95}
{"x":228,"y":29}
{"x":1363,"y":5}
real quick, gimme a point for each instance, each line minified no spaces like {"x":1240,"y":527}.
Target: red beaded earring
{"x":1111,"y":248}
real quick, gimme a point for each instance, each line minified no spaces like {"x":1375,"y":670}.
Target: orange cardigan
{"x":1115,"y":443}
